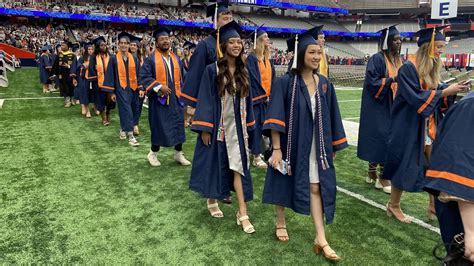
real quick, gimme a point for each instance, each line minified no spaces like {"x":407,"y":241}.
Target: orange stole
{"x":265,"y":75}
{"x":101,"y":66}
{"x":392,"y":72}
{"x":431,"y":120}
{"x":131,"y":71}
{"x":161,"y":72}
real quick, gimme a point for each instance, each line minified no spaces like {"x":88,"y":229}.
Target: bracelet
{"x":276,"y":149}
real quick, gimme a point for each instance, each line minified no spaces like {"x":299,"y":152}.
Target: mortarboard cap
{"x":214,"y":10}
{"x":301,"y":41}
{"x":97,"y":41}
{"x":161,"y":31}
{"x":385,"y":33}
{"x":189,"y":45}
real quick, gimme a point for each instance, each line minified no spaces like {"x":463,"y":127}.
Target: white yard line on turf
{"x":31,"y":98}
{"x":352,"y":132}
{"x":380,"y":206}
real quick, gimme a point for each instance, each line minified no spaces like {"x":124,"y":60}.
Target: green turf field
{"x":72,"y":192}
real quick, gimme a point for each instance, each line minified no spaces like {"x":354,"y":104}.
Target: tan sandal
{"x":327,"y":251}
{"x":249,"y":229}
{"x":390,"y":213}
{"x":282,"y":235}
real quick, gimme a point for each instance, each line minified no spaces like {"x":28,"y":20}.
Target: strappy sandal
{"x":330,"y":255}
{"x":216,"y":213}
{"x":280,"y":236}
{"x":249,"y":229}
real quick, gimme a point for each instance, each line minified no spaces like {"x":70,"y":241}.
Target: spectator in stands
{"x":377,"y":99}
{"x":417,"y":108}
{"x":224,"y":116}
{"x":45,"y":66}
{"x":62,"y":70}
{"x":261,"y":74}
{"x":451,"y":177}
{"x":305,"y":179}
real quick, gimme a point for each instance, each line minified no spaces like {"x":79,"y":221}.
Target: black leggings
{"x":155,"y":148}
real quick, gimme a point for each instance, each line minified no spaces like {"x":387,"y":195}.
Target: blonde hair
{"x":428,"y":69}
{"x":261,"y":51}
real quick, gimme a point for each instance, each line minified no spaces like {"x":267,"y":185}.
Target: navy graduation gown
{"x":259,"y":100}
{"x":377,"y":100}
{"x":405,"y":161}
{"x":166,"y":121}
{"x":84,"y":86}
{"x":204,"y":54}
{"x":452,"y":160}
{"x":127,"y":98}
{"x":45,"y":65}
{"x":210,"y":175}
{"x":294,"y":191}
{"x":99,"y":96}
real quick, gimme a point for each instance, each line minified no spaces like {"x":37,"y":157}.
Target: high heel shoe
{"x":330,"y":255}
{"x":216,"y":213}
{"x":390,"y":213}
{"x":249,"y":229}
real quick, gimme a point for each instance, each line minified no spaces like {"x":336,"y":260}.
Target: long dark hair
{"x":224,"y":77}
{"x":300,"y":62}
{"x":97,"y":50}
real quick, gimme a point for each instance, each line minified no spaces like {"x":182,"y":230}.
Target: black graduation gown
{"x":294,"y":191}
{"x":377,"y":100}
{"x":405,"y":163}
{"x":210,"y":175}
{"x":204,"y":54}
{"x":166,"y":121}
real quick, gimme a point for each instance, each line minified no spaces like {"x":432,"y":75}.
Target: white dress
{"x":313,"y":156}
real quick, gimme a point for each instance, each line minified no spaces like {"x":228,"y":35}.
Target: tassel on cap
{"x":215,"y":16}
{"x":219,"y":52}
{"x":255,"y":40}
{"x":295,"y":54}
{"x":385,"y":41}
{"x":432,"y":44}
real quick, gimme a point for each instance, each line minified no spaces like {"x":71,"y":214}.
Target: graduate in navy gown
{"x":161,"y":76}
{"x":83,"y":85}
{"x":261,"y":73}
{"x":419,"y":105}
{"x":188,"y":50}
{"x":451,"y":175}
{"x":136,"y":50}
{"x":121,"y":79}
{"x":306,"y":128}
{"x":223,"y":120}
{"x":204,"y":54}
{"x":45,"y":65}
{"x":77,"y":51}
{"x":380,"y":86}
{"x":98,"y":66}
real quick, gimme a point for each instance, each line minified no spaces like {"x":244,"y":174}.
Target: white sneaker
{"x":369,"y":180}
{"x":387,"y":189}
{"x":122,"y":134}
{"x":179,"y":157}
{"x":133,"y":141}
{"x":153,"y":159}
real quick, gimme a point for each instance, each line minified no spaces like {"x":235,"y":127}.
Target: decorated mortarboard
{"x":97,"y":41}
{"x":224,"y":33}
{"x":161,"y":31}
{"x":215,"y":9}
{"x":387,"y":32}
{"x":301,"y":41}
{"x":431,"y":35}
{"x":189,"y":45}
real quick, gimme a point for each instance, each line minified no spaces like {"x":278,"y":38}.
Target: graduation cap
{"x":256,"y":34}
{"x":75,"y":47}
{"x":67,"y":42}
{"x":45,"y":48}
{"x":97,"y":41}
{"x":385,"y":33}
{"x":189,"y":45}
{"x":301,"y":41}
{"x":224,"y":33}
{"x":431,"y":35}
{"x":214,"y":10}
{"x":57,"y":46}
{"x":161,"y":31}
{"x":87,"y":44}
{"x":125,"y":35}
